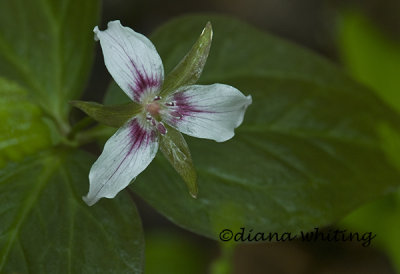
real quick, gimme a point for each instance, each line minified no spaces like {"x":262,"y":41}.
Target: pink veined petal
{"x":131,"y":59}
{"x":210,"y":112}
{"x":126,"y":154}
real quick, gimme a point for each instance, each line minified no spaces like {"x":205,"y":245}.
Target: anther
{"x":161,"y":128}
{"x":170,"y":104}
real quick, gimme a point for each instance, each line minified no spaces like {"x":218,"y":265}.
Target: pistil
{"x":153,"y":108}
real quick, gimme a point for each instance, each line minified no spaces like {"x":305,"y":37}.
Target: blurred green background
{"x":363,"y":38}
{"x":44,"y":225}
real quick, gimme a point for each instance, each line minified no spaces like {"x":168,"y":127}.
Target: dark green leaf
{"x":46,"y":228}
{"x":46,"y":46}
{"x":312,"y":147}
{"x":372,"y":57}
{"x":189,"y":69}
{"x":234,"y":53}
{"x":22,"y":129}
{"x":113,"y":116}
{"x":175,"y":149}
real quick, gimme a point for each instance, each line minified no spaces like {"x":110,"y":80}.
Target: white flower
{"x":204,"y":111}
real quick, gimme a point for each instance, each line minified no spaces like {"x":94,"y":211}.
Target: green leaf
{"x":371,"y":56}
{"x":175,"y":149}
{"x":312,"y":147}
{"x":46,"y":228}
{"x":22,"y":129}
{"x":113,"y":116}
{"x":47,"y":46}
{"x":274,"y":57}
{"x":189,"y":69}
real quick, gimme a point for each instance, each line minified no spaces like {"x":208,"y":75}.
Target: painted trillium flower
{"x":160,"y":109}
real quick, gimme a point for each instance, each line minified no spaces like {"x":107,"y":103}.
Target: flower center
{"x":153,"y":108}
{"x":153,"y":116}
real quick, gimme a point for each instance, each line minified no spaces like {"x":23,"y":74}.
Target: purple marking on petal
{"x":185,"y":106}
{"x":182,"y":107}
{"x":141,"y":82}
{"x":139,"y":137}
{"x":176,"y":114}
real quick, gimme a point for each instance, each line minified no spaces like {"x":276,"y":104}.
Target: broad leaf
{"x":45,"y":227}
{"x":22,"y":129}
{"x":46,"y":46}
{"x":312,"y":147}
{"x":372,"y":57}
{"x":234,"y":53}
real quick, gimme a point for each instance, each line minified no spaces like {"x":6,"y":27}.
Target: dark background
{"x":310,"y":23}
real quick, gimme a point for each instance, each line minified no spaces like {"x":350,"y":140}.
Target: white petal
{"x":131,"y":59}
{"x":211,"y":112}
{"x":126,"y":154}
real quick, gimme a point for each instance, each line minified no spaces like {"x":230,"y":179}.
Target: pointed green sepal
{"x":113,"y":116}
{"x":176,"y":150}
{"x":189,"y":69}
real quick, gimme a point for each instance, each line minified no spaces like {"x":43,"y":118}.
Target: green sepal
{"x":189,"y":69}
{"x":176,"y":150}
{"x":113,"y":116}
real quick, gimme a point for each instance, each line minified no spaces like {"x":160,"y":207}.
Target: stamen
{"x":157,"y":98}
{"x":161,"y":128}
{"x":170,"y":104}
